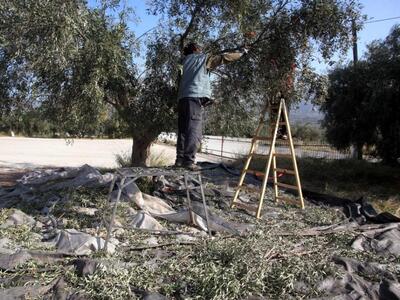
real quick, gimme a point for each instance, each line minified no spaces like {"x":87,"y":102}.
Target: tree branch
{"x":260,"y":37}
{"x":160,"y":246}
{"x":108,"y":100}
{"x":190,"y":26}
{"x":273,"y":18}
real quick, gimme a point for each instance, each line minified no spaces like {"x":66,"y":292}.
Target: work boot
{"x":191,"y":166}
{"x":281,"y":136}
{"x":178,"y":163}
{"x":282,"y":133}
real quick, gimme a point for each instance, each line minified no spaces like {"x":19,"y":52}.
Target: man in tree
{"x":194,"y":94}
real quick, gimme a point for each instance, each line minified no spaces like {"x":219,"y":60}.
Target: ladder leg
{"x":292,"y":152}
{"x":272,"y":127}
{"x":275,"y":178}
{"x":189,"y":201}
{"x":203,"y":198}
{"x":253,"y":147}
{"x":268,"y":166}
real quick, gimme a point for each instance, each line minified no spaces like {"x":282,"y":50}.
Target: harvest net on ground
{"x":52,"y":228}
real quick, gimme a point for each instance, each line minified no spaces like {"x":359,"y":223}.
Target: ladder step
{"x":265,"y":156}
{"x":261,"y":156}
{"x":245,"y":206}
{"x":288,"y":200}
{"x":283,"y":155}
{"x":256,"y":173}
{"x":282,"y":123}
{"x":285,"y":171}
{"x":262,"y":138}
{"x":288,"y":186}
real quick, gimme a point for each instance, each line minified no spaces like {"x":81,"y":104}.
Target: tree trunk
{"x":359,"y":151}
{"x":141,"y":152}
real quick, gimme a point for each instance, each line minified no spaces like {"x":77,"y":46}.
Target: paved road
{"x":29,"y":153}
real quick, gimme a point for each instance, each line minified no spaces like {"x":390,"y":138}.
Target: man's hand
{"x":250,"y":34}
{"x":207,"y":102}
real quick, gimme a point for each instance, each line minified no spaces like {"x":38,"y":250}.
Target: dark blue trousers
{"x":190,"y":126}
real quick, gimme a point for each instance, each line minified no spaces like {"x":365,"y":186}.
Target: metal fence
{"x":227,"y":147}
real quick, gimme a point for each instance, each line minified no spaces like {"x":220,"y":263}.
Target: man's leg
{"x":194,"y":130}
{"x":182,"y":120}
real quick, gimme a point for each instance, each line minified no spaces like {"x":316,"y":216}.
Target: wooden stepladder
{"x":271,"y":158}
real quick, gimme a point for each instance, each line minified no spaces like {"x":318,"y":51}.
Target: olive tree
{"x":82,"y":59}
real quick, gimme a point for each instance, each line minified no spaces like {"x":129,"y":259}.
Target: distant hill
{"x":306,"y":113}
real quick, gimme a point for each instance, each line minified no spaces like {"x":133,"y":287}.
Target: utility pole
{"x":357,"y":148}
{"x":355,"y":45}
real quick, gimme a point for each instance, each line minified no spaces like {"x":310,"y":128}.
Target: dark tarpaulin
{"x":355,"y":283}
{"x":360,"y":210}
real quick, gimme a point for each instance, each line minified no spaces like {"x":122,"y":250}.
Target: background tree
{"x":17,"y":95}
{"x":363,"y":103}
{"x":81,"y":59}
{"x":286,"y":36}
{"x":346,"y":108}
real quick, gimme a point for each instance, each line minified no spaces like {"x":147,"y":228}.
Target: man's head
{"x":191,"y":48}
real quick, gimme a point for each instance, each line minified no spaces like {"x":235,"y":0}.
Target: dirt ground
{"x":29,"y":153}
{"x":8,"y":176}
{"x":19,"y":155}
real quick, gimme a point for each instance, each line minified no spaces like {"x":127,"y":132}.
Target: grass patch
{"x":123,"y":160}
{"x":167,"y":142}
{"x":350,"y":179}
{"x":22,"y":235}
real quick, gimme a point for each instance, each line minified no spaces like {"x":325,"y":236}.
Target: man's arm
{"x":214,"y":61}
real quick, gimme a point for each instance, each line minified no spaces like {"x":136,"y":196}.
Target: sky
{"x":374,"y":9}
